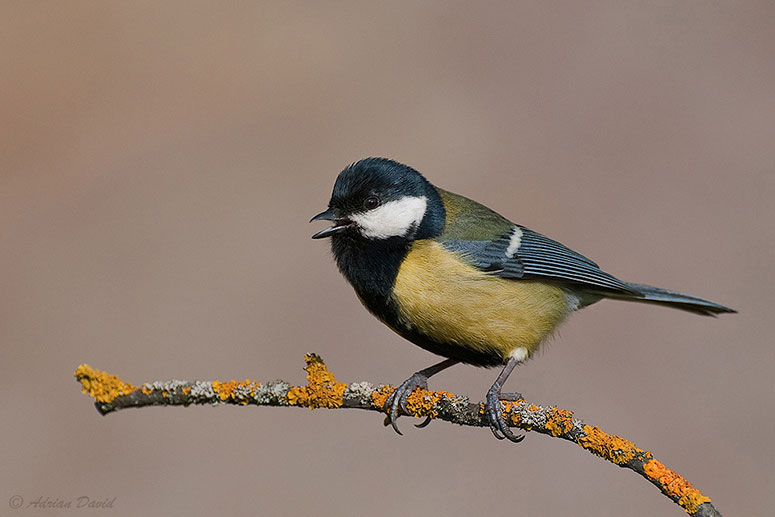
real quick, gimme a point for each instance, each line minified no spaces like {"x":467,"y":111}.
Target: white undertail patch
{"x":392,"y":219}
{"x":519,"y":353}
{"x":573,"y":300}
{"x":514,"y":242}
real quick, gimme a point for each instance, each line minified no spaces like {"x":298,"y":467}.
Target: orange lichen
{"x":512,"y":407}
{"x":101,"y":386}
{"x":675,"y":485}
{"x":421,"y":402}
{"x":379,"y":397}
{"x":609,"y":446}
{"x":186,"y":391}
{"x":322,"y":389}
{"x":234,"y":390}
{"x":559,"y":421}
{"x":224,"y":389}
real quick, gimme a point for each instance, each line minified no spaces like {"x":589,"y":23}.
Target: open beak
{"x":339,"y":224}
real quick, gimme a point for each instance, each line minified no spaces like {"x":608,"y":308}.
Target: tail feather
{"x":649,"y":294}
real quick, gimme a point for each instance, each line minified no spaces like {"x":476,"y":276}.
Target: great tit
{"x":460,"y":280}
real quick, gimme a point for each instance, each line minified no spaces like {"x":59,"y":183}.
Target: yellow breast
{"x":451,"y":302}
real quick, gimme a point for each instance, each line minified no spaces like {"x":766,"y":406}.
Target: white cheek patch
{"x":514,"y":242}
{"x":392,"y":219}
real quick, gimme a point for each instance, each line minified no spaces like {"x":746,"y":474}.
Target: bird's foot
{"x":398,"y":399}
{"x":498,"y":425}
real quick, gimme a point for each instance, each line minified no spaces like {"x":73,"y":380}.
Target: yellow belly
{"x":452,"y":302}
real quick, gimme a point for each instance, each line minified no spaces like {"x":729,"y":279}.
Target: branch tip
{"x":101,"y":386}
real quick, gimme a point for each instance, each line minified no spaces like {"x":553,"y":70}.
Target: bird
{"x":461,"y":281}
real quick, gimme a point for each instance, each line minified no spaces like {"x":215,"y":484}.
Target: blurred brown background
{"x":159,"y":164}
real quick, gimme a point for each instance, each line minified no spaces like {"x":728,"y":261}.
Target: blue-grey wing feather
{"x":536,"y":256}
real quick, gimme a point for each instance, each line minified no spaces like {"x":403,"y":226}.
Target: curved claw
{"x":495,"y":417}
{"x":391,"y":410}
{"x":400,"y":396}
{"x":492,"y":415}
{"x":496,"y":433}
{"x":394,"y":412}
{"x":514,"y":438}
{"x":424,"y":423}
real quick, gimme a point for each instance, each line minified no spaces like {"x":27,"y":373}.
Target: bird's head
{"x":380,"y":199}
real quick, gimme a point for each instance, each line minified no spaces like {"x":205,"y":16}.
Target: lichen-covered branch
{"x":323,"y":391}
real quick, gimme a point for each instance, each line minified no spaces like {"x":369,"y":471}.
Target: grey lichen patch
{"x":458,"y":407}
{"x":169,"y":386}
{"x":273,"y":393}
{"x":203,"y":392}
{"x":359,"y":393}
{"x":577,"y":430}
{"x":243,"y":392}
{"x":173,"y":388}
{"x":533,"y":417}
{"x":454,"y":404}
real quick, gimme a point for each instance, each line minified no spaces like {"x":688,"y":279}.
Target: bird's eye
{"x":371,"y":203}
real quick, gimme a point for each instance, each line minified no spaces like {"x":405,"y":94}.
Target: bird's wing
{"x":525,"y":254}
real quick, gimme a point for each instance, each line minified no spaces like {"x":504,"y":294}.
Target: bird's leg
{"x":399,"y":397}
{"x":493,"y":405}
